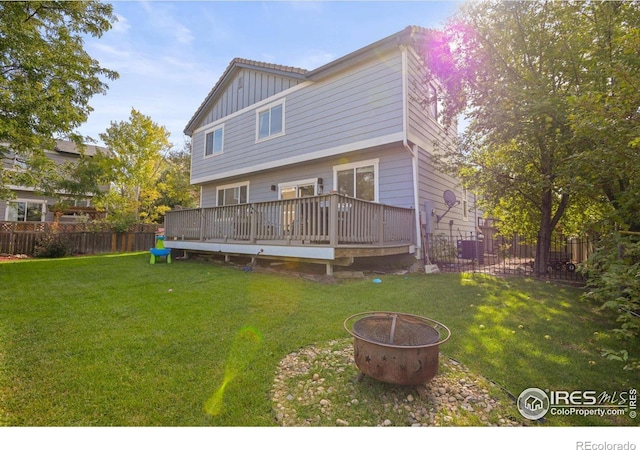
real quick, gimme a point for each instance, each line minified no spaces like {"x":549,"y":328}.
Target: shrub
{"x":53,"y":245}
{"x":613,"y":274}
{"x":122,"y":224}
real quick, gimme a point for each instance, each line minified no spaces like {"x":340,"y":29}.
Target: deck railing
{"x":330,"y":219}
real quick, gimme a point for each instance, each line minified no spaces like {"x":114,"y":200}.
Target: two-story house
{"x":323,"y":165}
{"x":28,"y":205}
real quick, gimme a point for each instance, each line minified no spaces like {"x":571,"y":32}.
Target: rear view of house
{"x":323,"y":165}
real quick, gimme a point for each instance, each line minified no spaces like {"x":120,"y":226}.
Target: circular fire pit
{"x":396,"y":348}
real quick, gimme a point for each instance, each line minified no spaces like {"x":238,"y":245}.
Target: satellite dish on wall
{"x":450,"y":200}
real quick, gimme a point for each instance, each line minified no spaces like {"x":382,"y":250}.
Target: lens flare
{"x":243,"y":350}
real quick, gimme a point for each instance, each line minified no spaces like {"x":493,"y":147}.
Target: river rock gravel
{"x":321,"y":386}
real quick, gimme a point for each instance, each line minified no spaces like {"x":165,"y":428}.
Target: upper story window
{"x":465,"y":204}
{"x":436,"y":105}
{"x":12,"y":161}
{"x":359,"y":180}
{"x":213,"y":142}
{"x":270,"y":121}
{"x":433,"y":102}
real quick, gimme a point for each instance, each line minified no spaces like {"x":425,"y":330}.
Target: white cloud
{"x":217,"y":30}
{"x":269,"y":58}
{"x":313,"y":59}
{"x":121,"y":25}
{"x":130,"y":62}
{"x":99,"y":49}
{"x":166,"y":87}
{"x":182,"y":34}
{"x":164,"y":19}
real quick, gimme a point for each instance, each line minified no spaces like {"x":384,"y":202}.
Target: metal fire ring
{"x":396,"y":330}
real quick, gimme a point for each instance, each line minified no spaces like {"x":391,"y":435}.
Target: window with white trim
{"x":26,"y":211}
{"x":232,"y":194}
{"x":433,"y":102}
{"x":270,"y":121}
{"x":359,"y":180}
{"x":436,"y":104}
{"x":298,"y":189}
{"x":16,"y":162}
{"x":465,"y":204}
{"x":213,"y":142}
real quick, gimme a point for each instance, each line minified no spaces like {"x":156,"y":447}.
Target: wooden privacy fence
{"x":85,"y":238}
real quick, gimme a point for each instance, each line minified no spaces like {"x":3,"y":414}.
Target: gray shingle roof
{"x":72,"y":148}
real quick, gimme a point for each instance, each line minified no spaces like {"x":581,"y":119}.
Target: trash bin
{"x":468,"y":249}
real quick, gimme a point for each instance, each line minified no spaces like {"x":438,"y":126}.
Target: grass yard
{"x":113,"y":340}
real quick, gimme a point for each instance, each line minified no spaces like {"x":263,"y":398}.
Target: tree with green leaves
{"x":605,"y":110}
{"x":46,"y":80}
{"x":137,"y":148}
{"x":174,"y":183}
{"x":77,"y":180}
{"x":532,"y":78}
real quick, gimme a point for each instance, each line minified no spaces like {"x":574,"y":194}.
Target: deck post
{"x":253,"y":224}
{"x":333,"y":220}
{"x":329,"y":268}
{"x":381,"y":225}
{"x":202,"y":225}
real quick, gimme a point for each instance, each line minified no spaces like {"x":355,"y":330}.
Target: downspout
{"x":413,"y":152}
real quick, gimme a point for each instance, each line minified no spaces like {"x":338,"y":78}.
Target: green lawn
{"x":113,"y":340}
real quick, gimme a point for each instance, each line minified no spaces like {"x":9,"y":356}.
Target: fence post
{"x":11,"y":244}
{"x":202,"y":225}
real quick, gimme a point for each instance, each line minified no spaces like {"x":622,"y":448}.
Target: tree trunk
{"x":548,"y":222}
{"x":543,"y":246}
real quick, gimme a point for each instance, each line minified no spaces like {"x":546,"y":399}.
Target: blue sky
{"x":169,"y":54}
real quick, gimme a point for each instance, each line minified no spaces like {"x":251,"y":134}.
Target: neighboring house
{"x":325,"y":165}
{"x":28,"y":205}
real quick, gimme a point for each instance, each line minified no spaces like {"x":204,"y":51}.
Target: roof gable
{"x":411,"y":35}
{"x":233,"y":69}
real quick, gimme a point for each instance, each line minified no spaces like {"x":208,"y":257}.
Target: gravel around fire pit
{"x":317,"y":386}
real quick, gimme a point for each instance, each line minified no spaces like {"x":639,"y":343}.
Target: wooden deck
{"x":329,"y":229}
